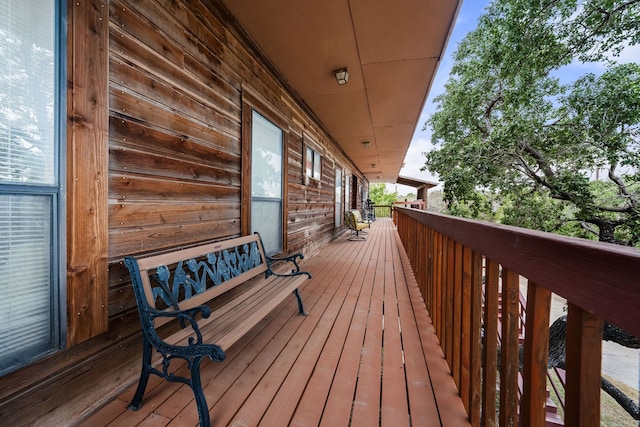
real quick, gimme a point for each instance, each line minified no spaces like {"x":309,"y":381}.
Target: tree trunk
{"x":605,"y":233}
{"x":557,"y":357}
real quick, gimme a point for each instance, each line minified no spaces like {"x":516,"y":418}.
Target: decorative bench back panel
{"x":191,"y":277}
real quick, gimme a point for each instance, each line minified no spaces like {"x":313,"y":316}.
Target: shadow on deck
{"x":365,"y":355}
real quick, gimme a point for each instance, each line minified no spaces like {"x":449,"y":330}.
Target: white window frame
{"x":274,"y":242}
{"x":339,"y":197}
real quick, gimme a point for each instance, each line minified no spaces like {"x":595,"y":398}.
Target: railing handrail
{"x":598,"y":277}
{"x":455,"y":260}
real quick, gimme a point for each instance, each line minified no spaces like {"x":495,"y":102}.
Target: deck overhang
{"x":391,"y":49}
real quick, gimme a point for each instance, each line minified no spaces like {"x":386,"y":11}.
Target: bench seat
{"x":240,"y":311}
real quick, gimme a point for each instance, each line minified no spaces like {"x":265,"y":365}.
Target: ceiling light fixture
{"x":365,"y":145}
{"x":342,"y":76}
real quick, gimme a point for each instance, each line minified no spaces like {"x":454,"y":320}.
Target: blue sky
{"x":466,"y":21}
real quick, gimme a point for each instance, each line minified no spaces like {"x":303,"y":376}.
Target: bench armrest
{"x":291,"y":258}
{"x":186,"y":318}
{"x":195,"y":346}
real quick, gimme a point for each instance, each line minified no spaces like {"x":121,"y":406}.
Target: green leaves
{"x":506,"y":125}
{"x":600,"y":28}
{"x":378,"y":194}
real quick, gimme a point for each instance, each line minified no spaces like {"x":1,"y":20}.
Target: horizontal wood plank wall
{"x":551,"y":263}
{"x":174,"y":153}
{"x":178,"y":72}
{"x":154,"y":155}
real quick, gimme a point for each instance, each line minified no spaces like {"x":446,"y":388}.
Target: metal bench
{"x":197,"y":302}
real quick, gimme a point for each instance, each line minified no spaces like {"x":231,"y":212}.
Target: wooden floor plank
{"x":447,"y":399}
{"x":422,"y":401}
{"x":107,"y":414}
{"x":296,"y":376}
{"x":395,"y":408}
{"x":329,"y":384}
{"x":154,"y":420}
{"x":287,"y":343}
{"x":366,"y":403}
{"x":367,"y":355}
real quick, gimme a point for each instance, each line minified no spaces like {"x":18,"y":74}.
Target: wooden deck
{"x":365,"y":355}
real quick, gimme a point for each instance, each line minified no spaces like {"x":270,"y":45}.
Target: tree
{"x":378,"y":194}
{"x":506,"y":125}
{"x":437,"y":203}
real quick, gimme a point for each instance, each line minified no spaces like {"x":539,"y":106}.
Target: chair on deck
{"x":359,"y":220}
{"x":355,"y":226}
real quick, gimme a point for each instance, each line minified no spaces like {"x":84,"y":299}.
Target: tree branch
{"x":622,"y":189}
{"x":490,"y":107}
{"x":539,"y":158}
{"x":546,"y":170}
{"x":605,"y":18}
{"x":588,"y":228}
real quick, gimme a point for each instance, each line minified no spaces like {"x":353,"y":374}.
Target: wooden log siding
{"x":153,"y":155}
{"x":182,"y":79}
{"x":454,"y":259}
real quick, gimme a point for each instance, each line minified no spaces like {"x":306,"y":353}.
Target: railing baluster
{"x":490,"y":348}
{"x":449,"y":260}
{"x":584,"y":354}
{"x":466,"y":309}
{"x":536,"y":355}
{"x":456,"y":345}
{"x":476,"y":339}
{"x":509,"y":361}
{"x":440,"y":305}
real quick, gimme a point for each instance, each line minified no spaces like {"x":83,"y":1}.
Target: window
{"x":313,"y":164}
{"x":338,"y":201}
{"x":354,"y":192}
{"x":30,"y":185}
{"x":266,"y":182}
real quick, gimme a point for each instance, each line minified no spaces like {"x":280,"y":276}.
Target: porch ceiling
{"x":391,"y":48}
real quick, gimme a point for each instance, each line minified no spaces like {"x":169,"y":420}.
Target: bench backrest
{"x":190,"y":277}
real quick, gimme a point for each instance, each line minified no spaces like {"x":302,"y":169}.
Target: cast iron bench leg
{"x":196,"y":386}
{"x":144,"y":375}
{"x":300,"y":306}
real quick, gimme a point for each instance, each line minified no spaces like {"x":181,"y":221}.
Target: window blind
{"x":28,"y":181}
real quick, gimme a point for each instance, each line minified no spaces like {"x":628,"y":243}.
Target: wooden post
{"x":87,"y":170}
{"x":490,"y":349}
{"x":476,"y":339}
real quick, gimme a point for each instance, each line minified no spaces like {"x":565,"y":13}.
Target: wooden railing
{"x":454,"y":258}
{"x":414,"y":204}
{"x":382,"y":211}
